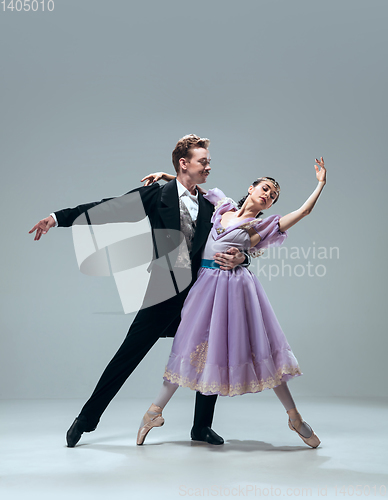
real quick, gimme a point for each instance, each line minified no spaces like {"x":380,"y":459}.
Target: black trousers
{"x":148,"y":325}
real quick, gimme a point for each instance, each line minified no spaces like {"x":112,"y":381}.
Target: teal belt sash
{"x":210,"y":264}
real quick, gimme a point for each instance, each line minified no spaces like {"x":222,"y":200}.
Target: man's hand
{"x":230,"y":259}
{"x":42,"y":227}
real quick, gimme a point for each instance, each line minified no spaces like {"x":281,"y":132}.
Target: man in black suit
{"x":164,"y":206}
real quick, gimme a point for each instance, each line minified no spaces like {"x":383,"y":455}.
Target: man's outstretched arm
{"x":120,"y":210}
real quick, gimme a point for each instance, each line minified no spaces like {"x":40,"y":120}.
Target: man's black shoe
{"x":79,"y":426}
{"x":207,"y":435}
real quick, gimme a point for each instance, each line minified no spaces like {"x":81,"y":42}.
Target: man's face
{"x":197,"y":168}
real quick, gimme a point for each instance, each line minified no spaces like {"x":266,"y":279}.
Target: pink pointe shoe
{"x":295,"y":422}
{"x":152,"y":418}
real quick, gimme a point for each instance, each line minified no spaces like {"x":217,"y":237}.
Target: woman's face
{"x":264,"y":194}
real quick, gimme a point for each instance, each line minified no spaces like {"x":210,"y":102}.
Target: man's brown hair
{"x":183,"y":148}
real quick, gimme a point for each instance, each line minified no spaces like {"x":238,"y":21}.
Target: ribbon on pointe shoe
{"x":295,"y":423}
{"x":152,"y":418}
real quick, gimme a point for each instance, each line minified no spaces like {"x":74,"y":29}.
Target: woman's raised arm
{"x":292,"y":218}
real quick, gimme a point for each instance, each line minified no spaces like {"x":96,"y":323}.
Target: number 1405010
{"x":28,"y":5}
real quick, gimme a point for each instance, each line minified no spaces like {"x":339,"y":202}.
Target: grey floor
{"x":261,"y":456}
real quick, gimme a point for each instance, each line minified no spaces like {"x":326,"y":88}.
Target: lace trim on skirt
{"x":283,"y":373}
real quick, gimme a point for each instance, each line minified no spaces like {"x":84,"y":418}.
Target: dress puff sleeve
{"x":214,"y":196}
{"x":270,"y":234}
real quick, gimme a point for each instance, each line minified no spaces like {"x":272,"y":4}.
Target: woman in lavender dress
{"x":229,"y":341}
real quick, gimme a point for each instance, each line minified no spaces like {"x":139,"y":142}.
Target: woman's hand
{"x":157,"y":176}
{"x":151,"y":178}
{"x":321,"y":174}
{"x":289,"y":220}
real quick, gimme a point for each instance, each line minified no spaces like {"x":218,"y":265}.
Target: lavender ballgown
{"x":229,"y":341}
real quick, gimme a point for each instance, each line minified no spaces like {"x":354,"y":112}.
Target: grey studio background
{"x":94,"y":95}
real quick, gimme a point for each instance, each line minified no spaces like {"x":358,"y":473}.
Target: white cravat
{"x":190,"y":200}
